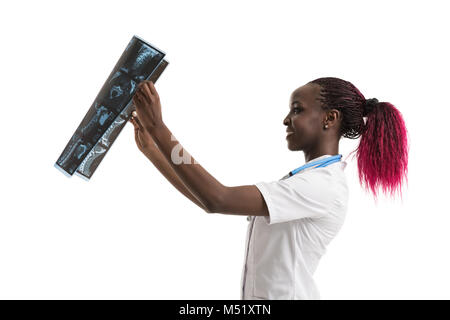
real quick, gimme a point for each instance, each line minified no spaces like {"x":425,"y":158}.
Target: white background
{"x":128,"y":233}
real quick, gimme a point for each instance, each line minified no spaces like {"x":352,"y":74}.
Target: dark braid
{"x":345,"y":97}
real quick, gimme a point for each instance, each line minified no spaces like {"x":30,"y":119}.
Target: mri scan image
{"x":96,"y":155}
{"x":111,"y":108}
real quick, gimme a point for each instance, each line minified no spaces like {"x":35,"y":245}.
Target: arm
{"x":240,"y":200}
{"x":160,"y":162}
{"x":148,"y":147}
{"x":217,"y":198}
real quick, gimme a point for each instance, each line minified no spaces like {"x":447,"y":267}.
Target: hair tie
{"x":369,"y":106}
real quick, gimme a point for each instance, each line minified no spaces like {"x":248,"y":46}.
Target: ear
{"x":332,"y":117}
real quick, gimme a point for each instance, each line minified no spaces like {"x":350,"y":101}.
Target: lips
{"x":289,"y":133}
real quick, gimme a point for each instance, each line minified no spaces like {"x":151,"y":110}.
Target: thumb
{"x":137,"y":122}
{"x":137,"y":135}
{"x":135,"y":125}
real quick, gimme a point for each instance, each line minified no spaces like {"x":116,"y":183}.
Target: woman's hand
{"x":144,"y":141}
{"x":148,"y":106}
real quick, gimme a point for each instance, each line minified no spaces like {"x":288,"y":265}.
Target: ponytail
{"x":383,"y":150}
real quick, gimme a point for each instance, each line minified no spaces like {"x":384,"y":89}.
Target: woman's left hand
{"x":148,"y":106}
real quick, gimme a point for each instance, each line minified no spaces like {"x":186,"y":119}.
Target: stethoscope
{"x":318,"y":163}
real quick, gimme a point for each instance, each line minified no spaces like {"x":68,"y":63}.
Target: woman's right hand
{"x":144,"y":141}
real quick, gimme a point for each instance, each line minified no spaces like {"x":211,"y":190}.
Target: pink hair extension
{"x":383,"y":151}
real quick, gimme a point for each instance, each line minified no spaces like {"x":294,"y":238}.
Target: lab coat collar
{"x":318,"y":158}
{"x":344,"y":164}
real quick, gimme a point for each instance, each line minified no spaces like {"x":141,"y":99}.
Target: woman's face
{"x":305,"y":120}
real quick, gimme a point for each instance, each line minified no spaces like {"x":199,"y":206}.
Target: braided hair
{"x":383,"y":150}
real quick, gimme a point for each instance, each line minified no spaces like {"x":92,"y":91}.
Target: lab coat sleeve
{"x":297,"y":197}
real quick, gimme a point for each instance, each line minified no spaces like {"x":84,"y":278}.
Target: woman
{"x":292,"y":220}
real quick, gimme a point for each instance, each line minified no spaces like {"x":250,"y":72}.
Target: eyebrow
{"x":298,"y":102}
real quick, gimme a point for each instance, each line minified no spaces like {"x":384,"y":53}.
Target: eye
{"x":296,"y":110}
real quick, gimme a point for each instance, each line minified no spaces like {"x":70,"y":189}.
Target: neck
{"x":321,"y":151}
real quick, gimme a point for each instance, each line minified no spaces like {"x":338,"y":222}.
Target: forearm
{"x":204,"y":186}
{"x":161,"y":163}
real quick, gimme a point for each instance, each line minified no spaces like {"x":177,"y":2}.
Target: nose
{"x":286,"y":121}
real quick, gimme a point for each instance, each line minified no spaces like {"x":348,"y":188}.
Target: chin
{"x":293,"y":147}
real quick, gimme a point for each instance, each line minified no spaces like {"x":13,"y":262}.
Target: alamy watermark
{"x":175,"y":154}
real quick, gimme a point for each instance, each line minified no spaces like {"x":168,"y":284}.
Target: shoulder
{"x":332,"y":173}
{"x":329,"y":182}
{"x":307,"y":194}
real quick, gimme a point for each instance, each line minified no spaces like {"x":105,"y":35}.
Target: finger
{"x":153,"y":89}
{"x":137,"y":99}
{"x":138,"y":122}
{"x":147,"y":89}
{"x":136,"y":128}
{"x":138,"y":94}
{"x":137,"y":137}
{"x":141,"y":83}
{"x":135,"y":125}
{"x":140,"y":86}
{"x":137,"y":133}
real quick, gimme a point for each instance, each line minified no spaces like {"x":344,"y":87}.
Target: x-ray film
{"x":95,"y":156}
{"x":111,"y":108}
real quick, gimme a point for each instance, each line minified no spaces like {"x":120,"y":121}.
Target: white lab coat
{"x":306,"y":211}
